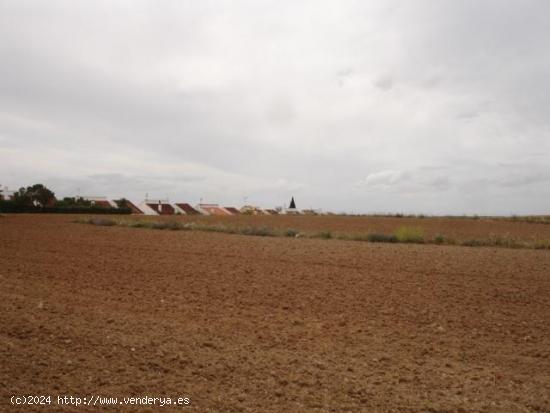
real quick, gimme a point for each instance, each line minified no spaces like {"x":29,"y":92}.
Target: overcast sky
{"x":437,"y":106}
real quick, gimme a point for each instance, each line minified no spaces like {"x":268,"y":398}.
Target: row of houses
{"x":165,"y":207}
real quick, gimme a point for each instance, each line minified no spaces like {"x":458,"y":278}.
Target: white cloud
{"x":386,"y":179}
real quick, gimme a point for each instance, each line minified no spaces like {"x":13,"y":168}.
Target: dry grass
{"x":408,"y":235}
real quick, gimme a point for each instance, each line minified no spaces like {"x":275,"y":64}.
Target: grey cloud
{"x":280,"y":111}
{"x":384,"y":83}
{"x":387,"y":178}
{"x":468,"y":114}
{"x":224,"y":100}
{"x":523,"y":180}
{"x":418,"y":180}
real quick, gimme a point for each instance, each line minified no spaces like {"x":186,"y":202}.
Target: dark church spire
{"x":292,"y":204}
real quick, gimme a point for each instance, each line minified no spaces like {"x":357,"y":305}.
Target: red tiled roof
{"x":188,"y":209}
{"x":167,"y":209}
{"x":232,"y":210}
{"x":133,"y":208}
{"x":214,"y":210}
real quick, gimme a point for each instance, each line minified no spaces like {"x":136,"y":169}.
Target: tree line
{"x":39,"y":198}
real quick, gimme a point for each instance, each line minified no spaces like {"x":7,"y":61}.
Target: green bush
{"x":410,"y":234}
{"x":289,"y":232}
{"x":474,"y":243}
{"x":174,"y":226}
{"x":542,"y":245}
{"x":357,"y":237}
{"x":223,"y":229}
{"x":439,"y":239}
{"x":375,"y":237}
{"x":324,"y":235}
{"x":103,"y":222}
{"x":158,"y":225}
{"x":189,"y":226}
{"x":257,"y":231}
{"x":506,"y":241}
{"x":137,"y":224}
{"x":495,"y":241}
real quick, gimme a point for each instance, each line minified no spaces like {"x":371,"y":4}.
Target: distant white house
{"x":212,"y":209}
{"x":178,"y":210}
{"x":252,"y":210}
{"x":6,"y":194}
{"x":157,"y":207}
{"x":185,"y":209}
{"x":146,"y":209}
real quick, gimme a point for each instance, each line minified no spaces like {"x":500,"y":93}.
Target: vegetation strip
{"x":404,"y":235}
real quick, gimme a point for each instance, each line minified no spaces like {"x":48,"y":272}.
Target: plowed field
{"x":252,"y":324}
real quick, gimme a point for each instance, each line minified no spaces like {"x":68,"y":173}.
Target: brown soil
{"x":256,"y":324}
